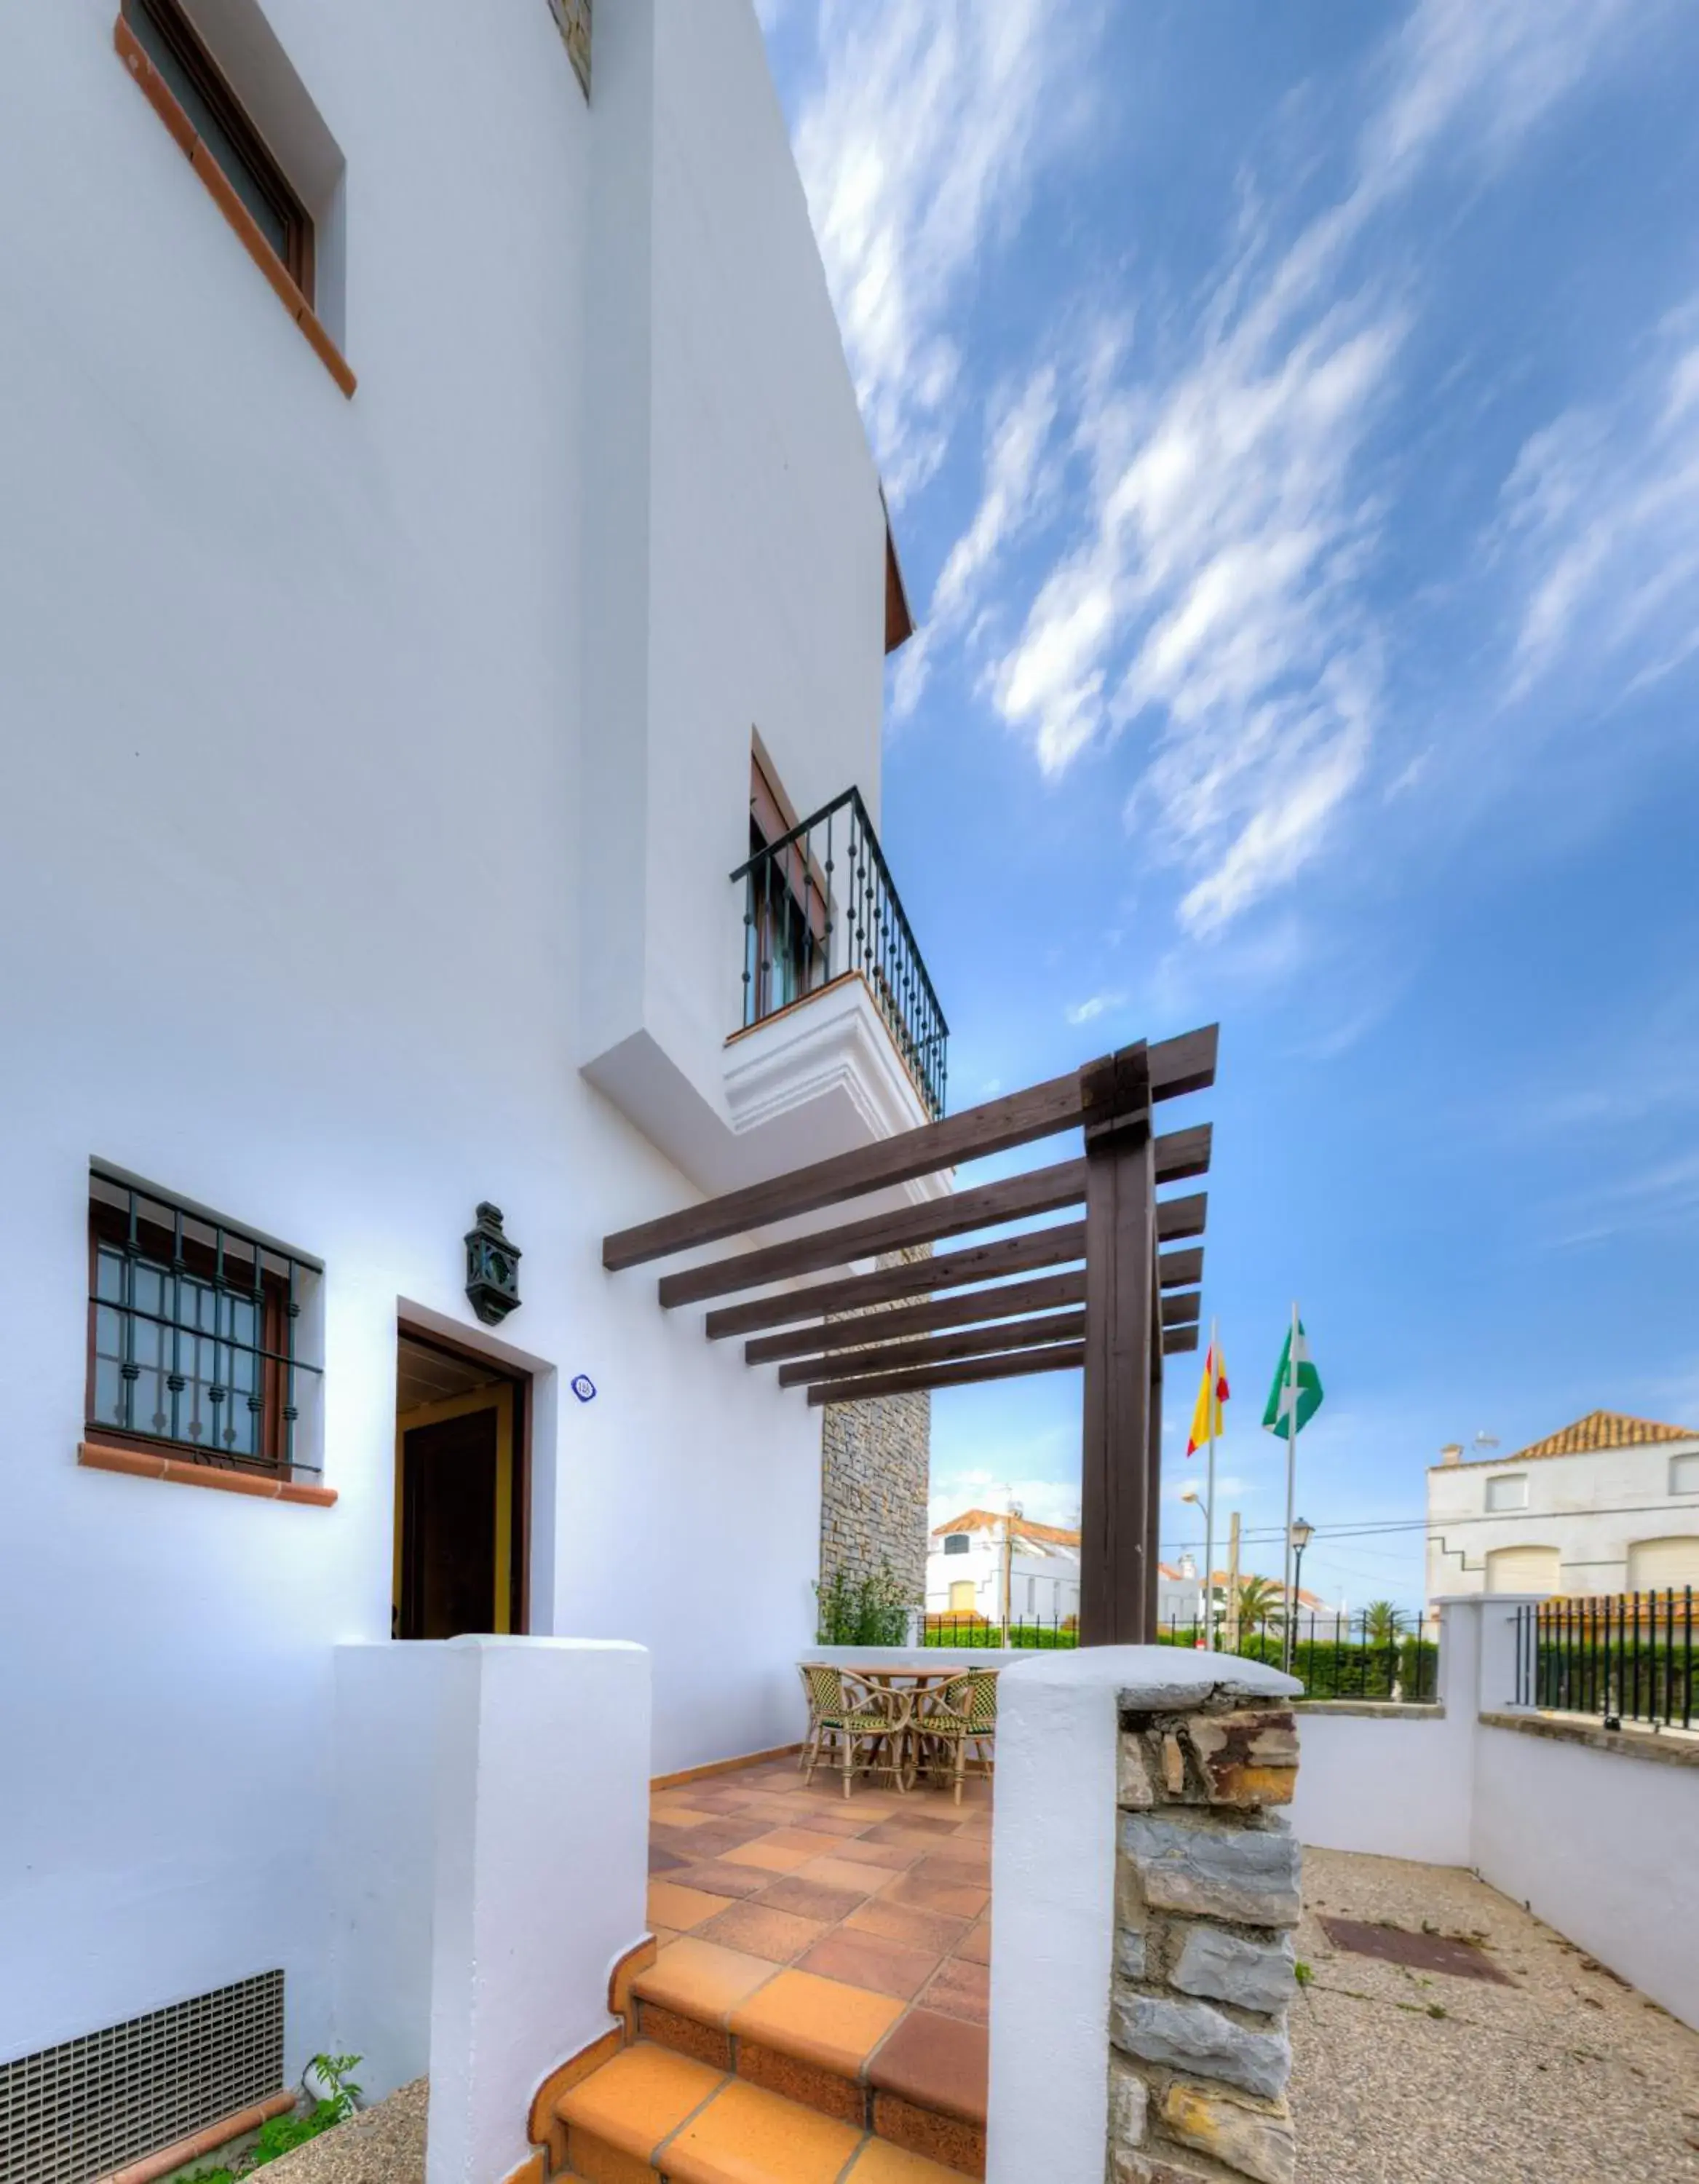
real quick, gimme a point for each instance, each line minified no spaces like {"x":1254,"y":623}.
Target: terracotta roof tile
{"x":1599,"y":1429}
{"x":984,"y":1520}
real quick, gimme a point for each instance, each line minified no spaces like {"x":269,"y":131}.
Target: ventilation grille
{"x":78,"y":2111}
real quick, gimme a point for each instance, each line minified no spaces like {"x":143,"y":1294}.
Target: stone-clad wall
{"x":1207,"y":1893}
{"x":874,"y":1462}
{"x":874,"y":1459}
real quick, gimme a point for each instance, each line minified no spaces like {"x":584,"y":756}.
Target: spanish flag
{"x":1213,"y":1393}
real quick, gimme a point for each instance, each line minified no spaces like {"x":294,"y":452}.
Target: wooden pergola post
{"x":1121,"y":1466}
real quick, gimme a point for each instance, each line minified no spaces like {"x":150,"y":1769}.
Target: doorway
{"x":460,"y":1492}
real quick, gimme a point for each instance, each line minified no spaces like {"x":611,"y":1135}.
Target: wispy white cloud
{"x":1017,"y":483}
{"x":1216,"y":595}
{"x":1601,"y":520}
{"x":1094,"y":1005}
{"x":917,"y":143}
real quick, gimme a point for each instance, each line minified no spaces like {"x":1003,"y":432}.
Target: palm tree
{"x":1261,"y":1607}
{"x":1380,"y":1623}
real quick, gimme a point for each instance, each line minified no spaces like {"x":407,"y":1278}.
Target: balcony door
{"x":460,"y":1494}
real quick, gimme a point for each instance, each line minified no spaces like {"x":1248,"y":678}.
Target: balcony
{"x":820,"y":906}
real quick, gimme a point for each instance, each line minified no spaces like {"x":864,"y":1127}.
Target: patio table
{"x":916,"y":1684}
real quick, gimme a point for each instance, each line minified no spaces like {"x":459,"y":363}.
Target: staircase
{"x":840,"y":2064}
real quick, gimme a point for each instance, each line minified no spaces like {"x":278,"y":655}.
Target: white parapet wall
{"x":1599,"y":1839}
{"x":1595,"y":1831}
{"x":492,"y":1804}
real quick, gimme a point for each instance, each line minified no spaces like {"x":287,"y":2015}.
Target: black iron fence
{"x":1374,"y":1654}
{"x":820,"y":901}
{"x":1624,"y":1656}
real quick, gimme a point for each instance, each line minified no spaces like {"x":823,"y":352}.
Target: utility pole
{"x":1233,"y":1583}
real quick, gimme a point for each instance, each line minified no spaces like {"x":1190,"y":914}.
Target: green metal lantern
{"x":491,"y":1268}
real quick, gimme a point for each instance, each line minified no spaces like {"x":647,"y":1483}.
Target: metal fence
{"x":820,"y":902}
{"x":1624,"y":1656}
{"x":1372,"y":1655}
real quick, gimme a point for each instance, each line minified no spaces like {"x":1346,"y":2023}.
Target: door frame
{"x":510,"y":1390}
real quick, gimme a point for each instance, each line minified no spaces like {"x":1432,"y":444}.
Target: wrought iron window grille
{"x":820,"y":901}
{"x":195,"y":1331}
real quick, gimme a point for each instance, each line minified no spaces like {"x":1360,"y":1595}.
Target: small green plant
{"x":334,"y":2102}
{"x":1303,"y":1973}
{"x":869,"y":1610}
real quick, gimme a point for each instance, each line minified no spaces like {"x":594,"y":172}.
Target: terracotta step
{"x":651,"y":2113}
{"x":912,"y":2076}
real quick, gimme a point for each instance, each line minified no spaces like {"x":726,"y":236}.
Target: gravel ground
{"x":1566,"y":2076}
{"x":382,"y":2145}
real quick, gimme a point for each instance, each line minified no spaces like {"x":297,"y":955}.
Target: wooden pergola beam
{"x":1179,"y":1155}
{"x":1010,"y":1335}
{"x":1059,"y":1247}
{"x":1176,"y":1066}
{"x":1015,"y":1198}
{"x":965,"y":1308}
{"x":1181,"y":1269}
{"x":1059,"y":1357}
{"x":981,"y":1342}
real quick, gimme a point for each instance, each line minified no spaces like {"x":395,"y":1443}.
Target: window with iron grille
{"x":196,"y":1331}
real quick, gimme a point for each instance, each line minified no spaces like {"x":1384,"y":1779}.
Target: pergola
{"x":1098,"y":1291}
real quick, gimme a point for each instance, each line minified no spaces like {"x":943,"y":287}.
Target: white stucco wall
{"x":542,"y":1864}
{"x":1053,"y":1576}
{"x":1601,"y":1845}
{"x":1591,"y":1509}
{"x":298,"y":706}
{"x":1398,"y":1781}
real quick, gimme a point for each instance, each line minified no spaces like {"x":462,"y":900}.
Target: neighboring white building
{"x":1608,"y":1505}
{"x":966,"y":1569}
{"x":378,"y":752}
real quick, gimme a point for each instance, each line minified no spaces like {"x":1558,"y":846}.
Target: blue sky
{"x":1290,"y":416}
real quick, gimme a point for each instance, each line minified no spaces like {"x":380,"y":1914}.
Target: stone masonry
{"x":874,"y":1462}
{"x":1207,"y":1894}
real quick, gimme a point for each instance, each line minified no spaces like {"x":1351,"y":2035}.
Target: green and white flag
{"x":1277,"y":1416}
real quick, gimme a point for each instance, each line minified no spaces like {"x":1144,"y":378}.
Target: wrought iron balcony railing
{"x":819,"y":902}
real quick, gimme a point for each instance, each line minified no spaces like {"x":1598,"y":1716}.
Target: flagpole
{"x":1212,"y":1373}
{"x":1290,"y":1605}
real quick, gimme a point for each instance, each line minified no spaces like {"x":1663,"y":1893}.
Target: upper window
{"x":170,"y":41}
{"x":956,"y":1543}
{"x":1508,"y":1492}
{"x":1683,"y":1475}
{"x":194,"y":1330}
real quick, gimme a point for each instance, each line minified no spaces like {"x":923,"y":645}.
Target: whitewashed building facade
{"x":1607,"y":1505}
{"x":396,"y":656}
{"x":995,"y":1567}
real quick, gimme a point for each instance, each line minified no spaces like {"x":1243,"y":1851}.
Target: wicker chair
{"x":850,"y":1723}
{"x":964,"y":1713}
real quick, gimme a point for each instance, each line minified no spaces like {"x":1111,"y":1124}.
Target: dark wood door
{"x":448,"y":1528}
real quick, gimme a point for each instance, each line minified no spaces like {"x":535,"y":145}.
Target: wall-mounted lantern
{"x":491,"y":1268}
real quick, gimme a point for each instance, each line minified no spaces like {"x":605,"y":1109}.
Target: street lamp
{"x":1206,"y":1593}
{"x":1302,"y":1534}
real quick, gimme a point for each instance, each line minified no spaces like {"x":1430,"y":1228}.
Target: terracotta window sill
{"x":158,"y":95}
{"x":140,"y":1463}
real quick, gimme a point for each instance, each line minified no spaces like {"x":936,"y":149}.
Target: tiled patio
{"x":842,"y":1945}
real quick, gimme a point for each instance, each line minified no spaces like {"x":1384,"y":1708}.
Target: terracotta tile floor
{"x":853,"y":1934}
